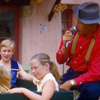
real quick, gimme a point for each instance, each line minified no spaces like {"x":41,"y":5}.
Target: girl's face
{"x":6,"y":53}
{"x":37,"y":69}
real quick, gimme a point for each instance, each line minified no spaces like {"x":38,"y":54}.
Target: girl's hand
{"x":16,"y":90}
{"x":35,"y":81}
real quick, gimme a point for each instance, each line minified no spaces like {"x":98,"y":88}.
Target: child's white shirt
{"x":44,"y":80}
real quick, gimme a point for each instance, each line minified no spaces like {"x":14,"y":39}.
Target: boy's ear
{"x":13,"y":53}
{"x":0,"y":52}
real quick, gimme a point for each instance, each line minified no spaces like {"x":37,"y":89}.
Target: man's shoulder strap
{"x":74,"y":44}
{"x":89,"y":49}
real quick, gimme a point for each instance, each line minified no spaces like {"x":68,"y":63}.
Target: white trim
{"x":78,"y":1}
{"x":16,"y":69}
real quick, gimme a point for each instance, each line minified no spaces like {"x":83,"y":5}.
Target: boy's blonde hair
{"x":5,"y":80}
{"x":8,"y":43}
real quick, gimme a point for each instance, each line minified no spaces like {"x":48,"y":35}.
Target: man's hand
{"x":67,"y":37}
{"x":67,"y":85}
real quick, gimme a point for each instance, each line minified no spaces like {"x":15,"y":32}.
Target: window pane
{"x":62,"y":25}
{"x":66,"y":20}
{"x":67,"y":16}
{"x":6,"y":23}
{"x":66,"y":25}
{"x":62,"y":16}
{"x":6,"y":14}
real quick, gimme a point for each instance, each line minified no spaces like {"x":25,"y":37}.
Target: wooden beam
{"x":52,"y":13}
{"x":14,"y":2}
{"x":77,"y":2}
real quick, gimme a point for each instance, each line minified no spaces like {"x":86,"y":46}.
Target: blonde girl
{"x":5,"y":79}
{"x":42,"y":68}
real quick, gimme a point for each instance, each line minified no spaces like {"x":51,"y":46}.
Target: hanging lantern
{"x":32,"y":2}
{"x":59,"y":7}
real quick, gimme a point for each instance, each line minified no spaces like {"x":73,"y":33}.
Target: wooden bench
{"x":58,"y":95}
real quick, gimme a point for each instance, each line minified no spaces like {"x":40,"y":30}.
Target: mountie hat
{"x":88,"y":12}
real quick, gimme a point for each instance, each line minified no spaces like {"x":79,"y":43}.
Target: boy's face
{"x":37,"y":69}
{"x":6,"y":53}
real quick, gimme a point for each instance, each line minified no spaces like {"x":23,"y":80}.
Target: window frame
{"x":65,"y":21}
{"x":16,"y":29}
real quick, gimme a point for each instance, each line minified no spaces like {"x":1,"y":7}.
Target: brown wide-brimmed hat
{"x":88,"y":12}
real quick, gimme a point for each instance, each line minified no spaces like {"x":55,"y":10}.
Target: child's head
{"x":41,"y":64}
{"x":8,"y":43}
{"x":5,"y":80}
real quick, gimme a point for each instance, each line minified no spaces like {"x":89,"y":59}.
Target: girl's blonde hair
{"x":8,"y":43}
{"x":5,"y":80}
{"x":43,"y":59}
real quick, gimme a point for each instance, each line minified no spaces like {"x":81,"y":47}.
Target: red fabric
{"x":77,"y":63}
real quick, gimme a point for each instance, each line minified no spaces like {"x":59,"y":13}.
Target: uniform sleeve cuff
{"x":79,"y":81}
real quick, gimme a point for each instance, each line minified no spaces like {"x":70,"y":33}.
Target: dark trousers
{"x":88,"y":91}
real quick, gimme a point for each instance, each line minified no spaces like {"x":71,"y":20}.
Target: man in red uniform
{"x":83,"y":53}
